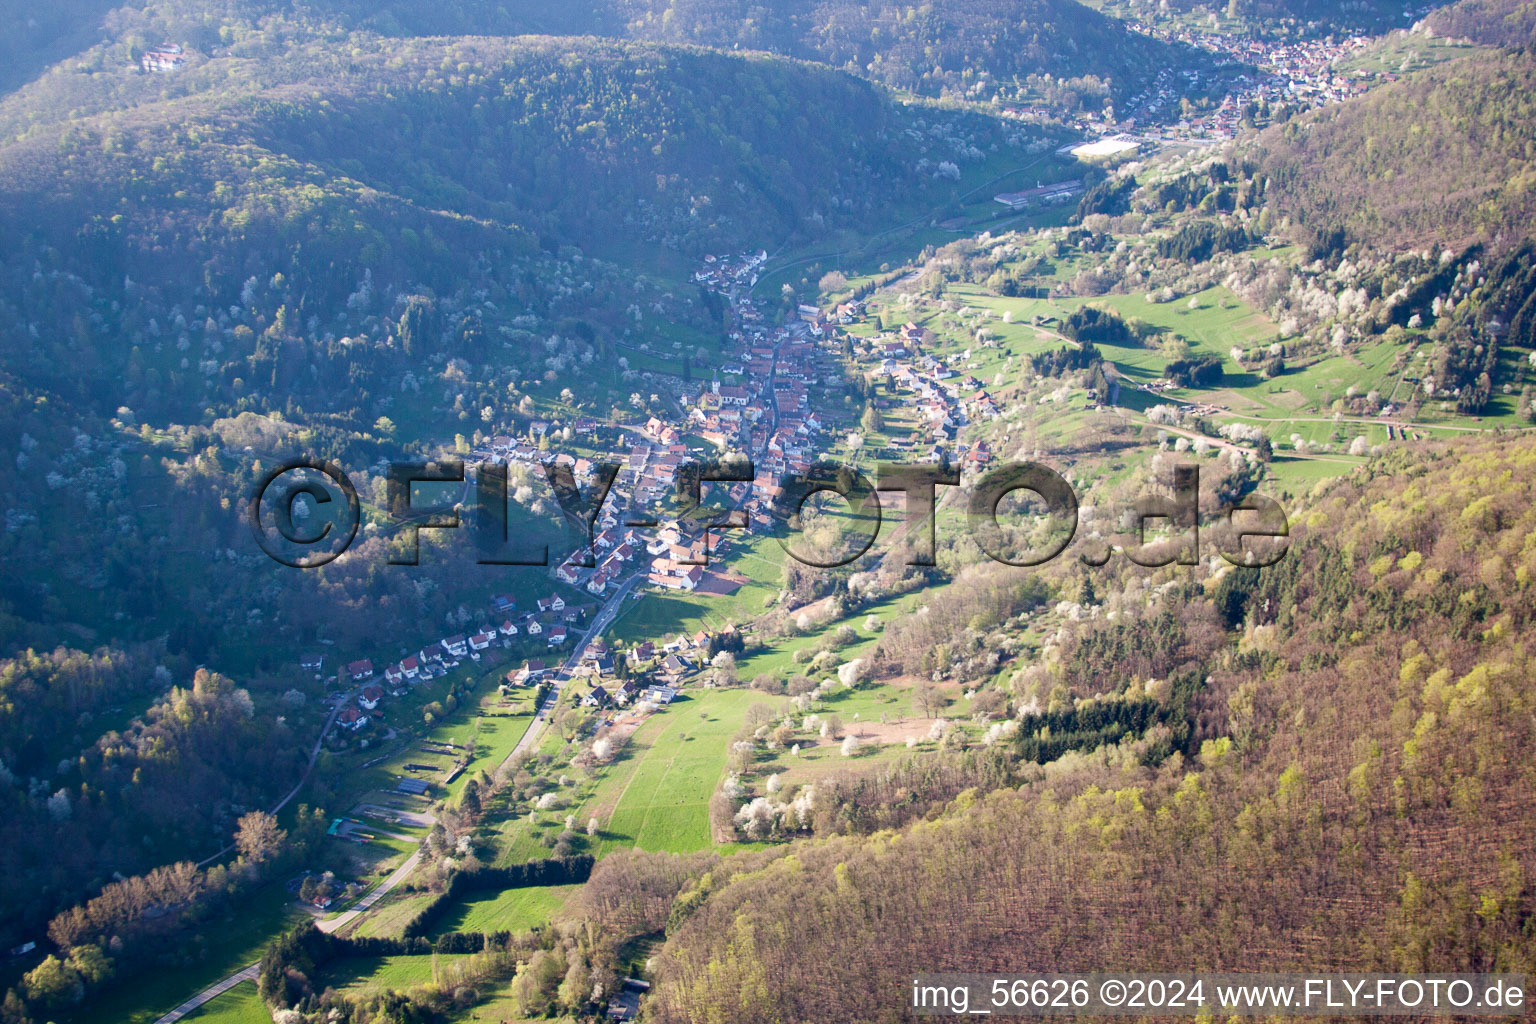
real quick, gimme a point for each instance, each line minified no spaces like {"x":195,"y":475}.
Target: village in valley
{"x":617,"y":696}
{"x":647,"y":626}
{"x":698,"y":513}
{"x":540,"y":673}
{"x":760,"y":400}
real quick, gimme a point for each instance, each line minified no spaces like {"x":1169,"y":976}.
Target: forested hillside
{"x":1441,"y":158}
{"x":1508,"y":23}
{"x":33,"y":36}
{"x":1353,"y":796}
{"x":355,"y":255}
{"x":979,"y":50}
{"x":318,"y":238}
{"x":524,"y":235}
{"x":684,"y":148}
{"x":171,"y":782}
{"x":1321,"y":15}
{"x":952,"y":47}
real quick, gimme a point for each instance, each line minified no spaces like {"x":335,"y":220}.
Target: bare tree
{"x":258,"y":838}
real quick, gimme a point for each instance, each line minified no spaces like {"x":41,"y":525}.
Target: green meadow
{"x":383,"y":973}
{"x":230,"y":943}
{"x":511,"y":910}
{"x":240,"y":1005}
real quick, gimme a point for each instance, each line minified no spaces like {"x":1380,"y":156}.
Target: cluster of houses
{"x":552,"y":622}
{"x":504,"y":448}
{"x":600,"y":565}
{"x":1299,"y":73}
{"x":723,"y":273}
{"x":648,"y":475}
{"x":667,"y":664}
{"x":767,"y":390}
{"x":678,"y":556}
{"x":673,"y":555}
{"x":760,"y":401}
{"x":944,"y":399}
{"x":625,"y":692}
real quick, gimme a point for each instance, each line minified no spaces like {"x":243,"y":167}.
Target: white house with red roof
{"x":530,"y":673}
{"x":685,"y":580}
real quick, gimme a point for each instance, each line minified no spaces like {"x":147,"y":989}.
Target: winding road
{"x":314,"y":755}
{"x":541,"y":718}
{"x":606,"y":615}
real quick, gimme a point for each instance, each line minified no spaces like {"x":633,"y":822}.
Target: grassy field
{"x":780,"y":656}
{"x":226,"y":945}
{"x":382,"y":973}
{"x":1295,"y":476}
{"x":665,"y":803}
{"x":240,"y":1005}
{"x":1219,"y":321}
{"x":1298,"y":403}
{"x":655,"y":794}
{"x":389,"y":916}
{"x":510,"y":910}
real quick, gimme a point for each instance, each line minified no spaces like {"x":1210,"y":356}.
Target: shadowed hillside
{"x":1002,"y":48}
